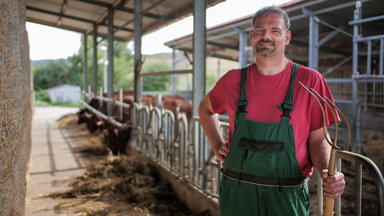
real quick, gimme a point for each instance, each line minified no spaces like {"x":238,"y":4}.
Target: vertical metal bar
{"x":381,"y":65}
{"x":110,"y":60}
{"x":242,"y":48}
{"x":101,"y":98}
{"x":85,"y":63}
{"x":313,"y":49}
{"x":319,"y":189}
{"x":120,"y":106}
{"x":355,"y":72}
{"x":94,"y":62}
{"x":105,"y":62}
{"x":369,"y":54}
{"x":199,"y":53}
{"x":252,"y":55}
{"x":159,"y":100}
{"x":338,"y":199}
{"x":196,"y":152}
{"x":368,"y":72}
{"x":358,"y":189}
{"x":138,"y":26}
{"x":173,"y":76}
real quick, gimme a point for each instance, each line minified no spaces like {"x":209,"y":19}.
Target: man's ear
{"x":288,"y":36}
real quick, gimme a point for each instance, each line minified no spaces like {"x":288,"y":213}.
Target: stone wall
{"x":15,"y":107}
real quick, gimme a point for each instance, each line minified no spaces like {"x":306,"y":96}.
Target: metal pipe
{"x":370,"y":19}
{"x":199,"y":53}
{"x":313,"y":49}
{"x":369,"y":38}
{"x":357,"y":16}
{"x":338,"y":199}
{"x":242,"y":47}
{"x":166,"y":73}
{"x":101,"y":98}
{"x":319,"y":187}
{"x":358,"y":189}
{"x":85,"y":64}
{"x":381,"y":65}
{"x":138,"y":23}
{"x":173,"y":77}
{"x":110,"y":59}
{"x":121,"y":107}
{"x":102,"y":115}
{"x":94,"y":62}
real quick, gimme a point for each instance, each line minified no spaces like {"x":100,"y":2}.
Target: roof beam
{"x":125,"y":9}
{"x":143,"y":12}
{"x":72,"y":17}
{"x":222,"y":45}
{"x":322,"y":49}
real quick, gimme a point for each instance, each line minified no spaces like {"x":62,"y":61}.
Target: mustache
{"x":266,"y":41}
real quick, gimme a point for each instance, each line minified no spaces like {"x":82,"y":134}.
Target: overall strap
{"x":287,"y":106}
{"x":242,"y":104}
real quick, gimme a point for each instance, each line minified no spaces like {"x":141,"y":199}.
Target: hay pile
{"x":114,"y":185}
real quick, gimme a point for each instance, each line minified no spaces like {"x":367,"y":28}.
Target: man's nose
{"x":267,"y":35}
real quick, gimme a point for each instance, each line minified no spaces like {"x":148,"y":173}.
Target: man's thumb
{"x":324,"y":174}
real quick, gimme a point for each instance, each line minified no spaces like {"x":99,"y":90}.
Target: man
{"x":275,"y":134}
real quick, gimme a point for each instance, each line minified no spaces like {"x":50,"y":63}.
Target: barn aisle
{"x":52,"y":161}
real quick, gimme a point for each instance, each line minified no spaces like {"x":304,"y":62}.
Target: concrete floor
{"x":52,"y":162}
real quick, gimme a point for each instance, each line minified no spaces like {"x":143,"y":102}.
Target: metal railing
{"x":182,"y":147}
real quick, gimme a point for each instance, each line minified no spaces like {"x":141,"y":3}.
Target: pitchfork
{"x":331,"y":169}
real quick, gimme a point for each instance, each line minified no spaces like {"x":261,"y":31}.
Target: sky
{"x":53,"y":43}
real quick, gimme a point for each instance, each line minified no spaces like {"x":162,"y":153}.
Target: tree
{"x":158,"y":82}
{"x":52,"y":74}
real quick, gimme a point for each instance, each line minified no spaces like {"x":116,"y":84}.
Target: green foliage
{"x":123,"y":67}
{"x":157,"y":82}
{"x":70,"y":71}
{"x":42,"y":95}
{"x":52,"y":74}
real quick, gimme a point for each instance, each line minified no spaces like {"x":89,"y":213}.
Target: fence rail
{"x":181,"y":146}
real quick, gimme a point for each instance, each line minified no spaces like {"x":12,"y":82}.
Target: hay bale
{"x":15,"y":107}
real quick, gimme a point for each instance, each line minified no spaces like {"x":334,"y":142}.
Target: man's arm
{"x":319,"y":151}
{"x":211,"y":127}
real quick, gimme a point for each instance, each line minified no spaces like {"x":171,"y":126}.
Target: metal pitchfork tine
{"x":331,"y":169}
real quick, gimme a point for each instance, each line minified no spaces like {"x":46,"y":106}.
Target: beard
{"x":265,"y":51}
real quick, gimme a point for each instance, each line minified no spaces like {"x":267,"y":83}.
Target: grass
{"x":42,"y":100}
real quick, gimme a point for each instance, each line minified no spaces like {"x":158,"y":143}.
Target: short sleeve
{"x":321,"y":87}
{"x":218,"y":94}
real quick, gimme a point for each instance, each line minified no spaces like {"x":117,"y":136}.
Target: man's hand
{"x":221,"y":151}
{"x":333,"y":186}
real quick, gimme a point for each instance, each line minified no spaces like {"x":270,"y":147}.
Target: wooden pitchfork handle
{"x":329,"y":202}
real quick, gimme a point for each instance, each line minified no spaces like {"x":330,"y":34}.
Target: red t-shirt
{"x":265,"y":93}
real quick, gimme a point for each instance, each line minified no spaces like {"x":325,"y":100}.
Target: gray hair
{"x":272,"y":10}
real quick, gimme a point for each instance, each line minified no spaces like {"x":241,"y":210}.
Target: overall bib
{"x":261,"y":175}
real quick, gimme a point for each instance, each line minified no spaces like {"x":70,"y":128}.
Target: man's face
{"x":269,"y":36}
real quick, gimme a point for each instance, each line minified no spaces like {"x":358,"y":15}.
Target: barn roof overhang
{"x":335,"y":31}
{"x":82,"y":15}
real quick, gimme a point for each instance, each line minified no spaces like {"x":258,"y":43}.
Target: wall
{"x":64,"y":93}
{"x":15,"y":107}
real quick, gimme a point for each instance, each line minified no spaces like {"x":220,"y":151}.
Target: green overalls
{"x":261,"y":175}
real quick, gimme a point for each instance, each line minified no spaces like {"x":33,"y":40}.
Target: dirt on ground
{"x":130,"y":185}
{"x":114,"y":185}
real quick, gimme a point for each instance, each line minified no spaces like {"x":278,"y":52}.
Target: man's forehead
{"x":275,"y":19}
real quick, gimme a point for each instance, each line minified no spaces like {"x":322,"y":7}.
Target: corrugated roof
{"x":223,"y":40}
{"x":81,"y":15}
